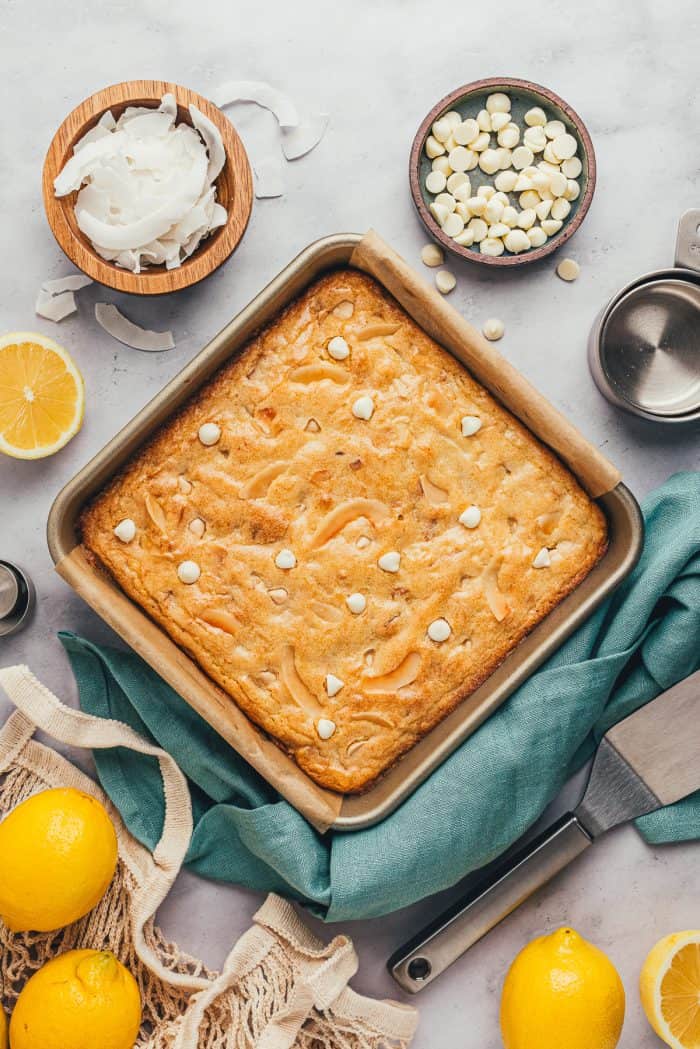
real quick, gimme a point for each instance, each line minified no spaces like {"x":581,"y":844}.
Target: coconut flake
{"x":269,"y":178}
{"x":102,"y":128}
{"x":261,"y":94}
{"x":212,"y":140}
{"x":54,"y":307}
{"x":125,"y":331}
{"x":298,"y":141}
{"x":74,"y":282}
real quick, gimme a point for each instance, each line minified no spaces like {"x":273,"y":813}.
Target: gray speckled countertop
{"x":377,"y":68}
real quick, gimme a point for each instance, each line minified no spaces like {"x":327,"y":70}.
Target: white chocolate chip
{"x":285,"y":560}
{"x":522,"y":157}
{"x":517,"y":241}
{"x":543,"y":209}
{"x":453,"y":118}
{"x":453,"y":225}
{"x":483,"y":119}
{"x":480,"y":143}
{"x":543,"y":560}
{"x":439,"y":630}
{"x":433,"y":147}
{"x":125,"y":530}
{"x":390,"y":562}
{"x":459,"y":158}
{"x":535,"y":138}
{"x":363,"y":542}
{"x":492,"y":246}
{"x":560,"y":208}
{"x":493,"y":329}
{"x":572,"y":167}
{"x":564,"y":146}
{"x":509,"y":136}
{"x":523,"y":184}
{"x":447,"y":201}
{"x":505,"y":180}
{"x":550,"y":156}
{"x":435,"y":181}
{"x":551,"y":226}
{"x":363,"y":407}
{"x":537,"y":236}
{"x":457,"y":179}
{"x":529,"y":199}
{"x":333,"y":685}
{"x":470,"y":517}
{"x":499,"y":120}
{"x":470,"y":424}
{"x":442,"y":164}
{"x":572,"y":189}
{"x":209,"y":434}
{"x":527,"y":218}
{"x":497,"y":231}
{"x":432,"y":255}
{"x":466,"y":238}
{"x":476,"y":204}
{"x":441,"y":129}
{"x":535,"y":117}
{"x":197,"y":527}
{"x":568,"y":269}
{"x":498,"y":102}
{"x":490,"y":161}
{"x":478,"y":229}
{"x":439,"y":212}
{"x":510,"y":216}
{"x":338,"y":348}
{"x":445,"y":281}
{"x":493,"y":210}
{"x":467,"y":131}
{"x":357,"y":603}
{"x":557,"y":184}
{"x":554,"y":128}
{"x":486,"y":192}
{"x":188,"y":572}
{"x":325,"y":728}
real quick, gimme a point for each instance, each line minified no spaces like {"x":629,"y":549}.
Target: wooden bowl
{"x":468,"y":100}
{"x":234,"y":190}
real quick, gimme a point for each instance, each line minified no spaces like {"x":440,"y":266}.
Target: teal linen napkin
{"x":640,"y":642}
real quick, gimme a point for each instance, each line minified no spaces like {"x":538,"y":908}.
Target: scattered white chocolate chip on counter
{"x":197,"y":527}
{"x":357,"y":603}
{"x":325,"y":728}
{"x":363,"y":407}
{"x":338,"y":348}
{"x":432,"y":255}
{"x":470,"y":424}
{"x":390,"y":562}
{"x":445,"y":281}
{"x":125,"y":530}
{"x":568,"y":269}
{"x":188,"y":572}
{"x":439,"y":630}
{"x":333,"y":685}
{"x":209,"y":434}
{"x":285,"y":559}
{"x":493,"y":329}
{"x":543,"y":560}
{"x":470,"y":517}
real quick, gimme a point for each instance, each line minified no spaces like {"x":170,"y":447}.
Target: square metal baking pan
{"x":355,"y":811}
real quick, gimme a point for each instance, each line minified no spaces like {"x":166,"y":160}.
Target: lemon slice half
{"x":669,"y":986}
{"x":42,"y":396}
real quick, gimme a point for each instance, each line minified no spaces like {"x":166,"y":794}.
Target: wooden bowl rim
{"x":569,"y":228}
{"x":155,"y":280}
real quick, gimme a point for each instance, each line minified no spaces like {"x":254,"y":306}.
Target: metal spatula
{"x":649,"y":760}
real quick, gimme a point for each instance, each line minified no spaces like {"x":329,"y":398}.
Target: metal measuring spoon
{"x":644,"y":349}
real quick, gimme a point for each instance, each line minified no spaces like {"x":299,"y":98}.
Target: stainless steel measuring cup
{"x":644,"y":349}
{"x":16,"y":598}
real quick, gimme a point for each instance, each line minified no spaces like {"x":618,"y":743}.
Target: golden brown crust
{"x":291,"y":454}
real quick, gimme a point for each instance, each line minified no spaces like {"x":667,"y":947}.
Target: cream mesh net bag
{"x":280,"y":987}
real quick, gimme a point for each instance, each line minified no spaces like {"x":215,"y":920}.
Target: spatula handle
{"x":428,"y":954}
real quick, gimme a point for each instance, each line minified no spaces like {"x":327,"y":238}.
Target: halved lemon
{"x":42,"y":396}
{"x":669,"y":986}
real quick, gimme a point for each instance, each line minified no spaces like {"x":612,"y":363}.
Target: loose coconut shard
{"x":130,"y":334}
{"x":262,"y":94}
{"x":298,"y":141}
{"x":54,"y":307}
{"x":269,"y":178}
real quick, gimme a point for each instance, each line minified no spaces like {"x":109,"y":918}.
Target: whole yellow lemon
{"x":79,"y":1000}
{"x":58,"y":854}
{"x":561,"y":992}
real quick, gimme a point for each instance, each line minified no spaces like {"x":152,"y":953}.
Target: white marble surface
{"x":377,"y":68}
